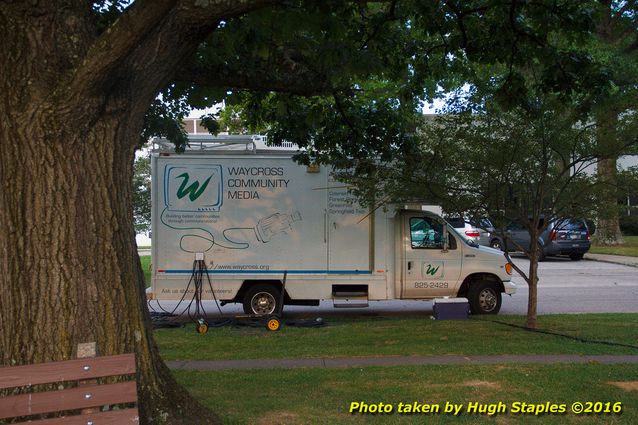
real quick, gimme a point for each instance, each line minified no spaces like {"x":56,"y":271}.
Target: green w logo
{"x":432,"y":270}
{"x":193,"y":191}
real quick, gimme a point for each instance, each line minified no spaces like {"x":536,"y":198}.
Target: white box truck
{"x":253,"y":213}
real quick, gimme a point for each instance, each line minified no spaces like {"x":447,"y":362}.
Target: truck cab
{"x":436,"y":261}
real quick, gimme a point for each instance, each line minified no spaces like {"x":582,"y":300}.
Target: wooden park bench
{"x":83,"y":399}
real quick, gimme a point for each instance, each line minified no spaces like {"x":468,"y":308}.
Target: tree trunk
{"x":70,"y":271}
{"x":606,"y":115}
{"x":608,"y":224}
{"x":532,"y":284}
{"x":72,"y":110}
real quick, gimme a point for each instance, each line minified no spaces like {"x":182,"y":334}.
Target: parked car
{"x":569,"y":236}
{"x":468,"y":229}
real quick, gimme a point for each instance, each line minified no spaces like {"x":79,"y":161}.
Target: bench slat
{"x":69,"y":370}
{"x":74,"y":398}
{"x":113,"y":417}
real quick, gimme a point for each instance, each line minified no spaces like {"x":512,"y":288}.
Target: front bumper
{"x":510,"y":288}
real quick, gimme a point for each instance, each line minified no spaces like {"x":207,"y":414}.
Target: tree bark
{"x":69,"y":269}
{"x":532,"y":293}
{"x":608,"y":224}
{"x":532,"y":283}
{"x":606,"y":116}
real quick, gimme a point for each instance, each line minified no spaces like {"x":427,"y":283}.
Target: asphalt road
{"x":565,"y":286}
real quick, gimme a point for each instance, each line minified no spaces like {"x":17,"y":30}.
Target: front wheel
{"x":262,"y":299}
{"x":484,"y":297}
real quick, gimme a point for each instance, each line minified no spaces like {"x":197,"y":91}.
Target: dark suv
{"x":569,"y":236}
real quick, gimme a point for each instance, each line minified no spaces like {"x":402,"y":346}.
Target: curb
{"x":628,"y":263}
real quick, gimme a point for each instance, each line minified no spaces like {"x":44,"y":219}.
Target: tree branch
{"x":142,"y":28}
{"x":299,"y":81}
{"x":115,"y":44}
{"x":459,"y":18}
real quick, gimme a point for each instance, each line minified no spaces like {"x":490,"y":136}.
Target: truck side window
{"x":426,"y":233}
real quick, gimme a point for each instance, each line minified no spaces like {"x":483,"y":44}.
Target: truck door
{"x":429,"y":270}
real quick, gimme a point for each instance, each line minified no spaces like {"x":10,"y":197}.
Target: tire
{"x":262,"y":299}
{"x":576,"y":257}
{"x":201,"y":328}
{"x":273,"y":324}
{"x":496,"y":244}
{"x":484,"y":297}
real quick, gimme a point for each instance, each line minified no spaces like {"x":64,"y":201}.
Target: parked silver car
{"x":469,"y":230}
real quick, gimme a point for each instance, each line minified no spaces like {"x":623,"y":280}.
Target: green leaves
{"x":164,"y":119}
{"x":368,"y":67}
{"x":142,"y":194}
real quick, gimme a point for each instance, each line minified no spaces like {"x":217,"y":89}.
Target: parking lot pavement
{"x":567,"y":286}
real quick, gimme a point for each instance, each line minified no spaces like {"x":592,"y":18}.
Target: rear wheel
{"x":262,"y":299}
{"x":484,"y":297}
{"x":576,"y":257}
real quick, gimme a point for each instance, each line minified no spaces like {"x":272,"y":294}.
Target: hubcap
{"x":263,"y":303}
{"x":487,"y":300}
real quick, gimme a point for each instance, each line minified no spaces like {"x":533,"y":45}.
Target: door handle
{"x":409,"y":265}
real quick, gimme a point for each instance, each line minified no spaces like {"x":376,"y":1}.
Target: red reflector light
{"x":553,"y":235}
{"x":588,"y":236}
{"x":473,"y":233}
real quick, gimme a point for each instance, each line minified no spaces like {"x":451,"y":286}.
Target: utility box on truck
{"x":253,"y":213}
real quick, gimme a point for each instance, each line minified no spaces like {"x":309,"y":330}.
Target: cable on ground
{"x":575,"y":338}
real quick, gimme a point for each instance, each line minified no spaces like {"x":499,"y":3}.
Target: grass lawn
{"x":377,"y":336}
{"x":146,"y":266}
{"x":630,"y":248}
{"x":323,"y":396}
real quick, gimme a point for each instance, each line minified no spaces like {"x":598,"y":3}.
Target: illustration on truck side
{"x":253,"y":213}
